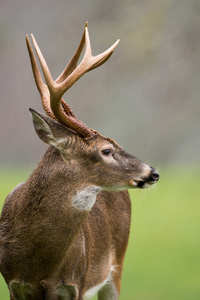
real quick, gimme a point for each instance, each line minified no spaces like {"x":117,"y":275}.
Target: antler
{"x":52,"y":92}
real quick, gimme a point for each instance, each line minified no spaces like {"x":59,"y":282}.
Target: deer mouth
{"x":142,"y":183}
{"x":137,"y":183}
{"x":146,"y":182}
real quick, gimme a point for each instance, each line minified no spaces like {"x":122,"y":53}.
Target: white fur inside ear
{"x":41,"y":126}
{"x":40,"y":123}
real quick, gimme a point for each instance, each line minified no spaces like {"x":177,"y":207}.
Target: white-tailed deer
{"x":64,"y":232}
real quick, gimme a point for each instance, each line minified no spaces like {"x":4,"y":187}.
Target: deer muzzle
{"x":146,"y":181}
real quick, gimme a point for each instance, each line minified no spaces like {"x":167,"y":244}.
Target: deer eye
{"x":106,"y":152}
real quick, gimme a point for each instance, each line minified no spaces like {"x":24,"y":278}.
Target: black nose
{"x":154,"y":176}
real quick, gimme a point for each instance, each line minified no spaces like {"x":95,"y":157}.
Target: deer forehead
{"x":103,"y":143}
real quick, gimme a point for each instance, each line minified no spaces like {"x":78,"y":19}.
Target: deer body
{"x":77,"y":245}
{"x":64,"y":232}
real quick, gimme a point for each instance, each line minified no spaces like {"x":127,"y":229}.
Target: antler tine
{"x":71,"y":66}
{"x":97,"y":60}
{"x":47,"y":75}
{"x":42,"y":87}
{"x":88,"y":62}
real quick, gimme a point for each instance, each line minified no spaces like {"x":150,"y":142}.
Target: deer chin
{"x":142,"y":184}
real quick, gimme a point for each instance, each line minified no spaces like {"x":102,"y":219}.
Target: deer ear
{"x":48,"y":130}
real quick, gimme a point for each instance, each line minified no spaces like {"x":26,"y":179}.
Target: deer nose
{"x":154,"y":175}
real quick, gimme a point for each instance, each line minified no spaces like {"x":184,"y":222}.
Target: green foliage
{"x":162,"y":261}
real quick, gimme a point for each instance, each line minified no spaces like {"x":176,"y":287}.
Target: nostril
{"x":154,"y":174}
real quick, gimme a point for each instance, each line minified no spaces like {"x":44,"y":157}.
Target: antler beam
{"x":52,"y":92}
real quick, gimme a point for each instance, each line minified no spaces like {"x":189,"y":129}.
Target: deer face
{"x":111,"y":167}
{"x":98,"y":161}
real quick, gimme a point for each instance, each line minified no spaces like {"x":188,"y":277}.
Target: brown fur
{"x":46,"y":242}
{"x":64,"y":231}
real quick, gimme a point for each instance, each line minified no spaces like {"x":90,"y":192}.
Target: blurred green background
{"x":146,"y":97}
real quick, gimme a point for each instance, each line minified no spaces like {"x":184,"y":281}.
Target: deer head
{"x":102,"y":161}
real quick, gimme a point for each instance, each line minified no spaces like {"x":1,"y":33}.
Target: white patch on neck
{"x":85,"y":199}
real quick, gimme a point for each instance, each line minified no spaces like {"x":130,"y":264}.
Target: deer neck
{"x":55,"y":181}
{"x":58,"y":198}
